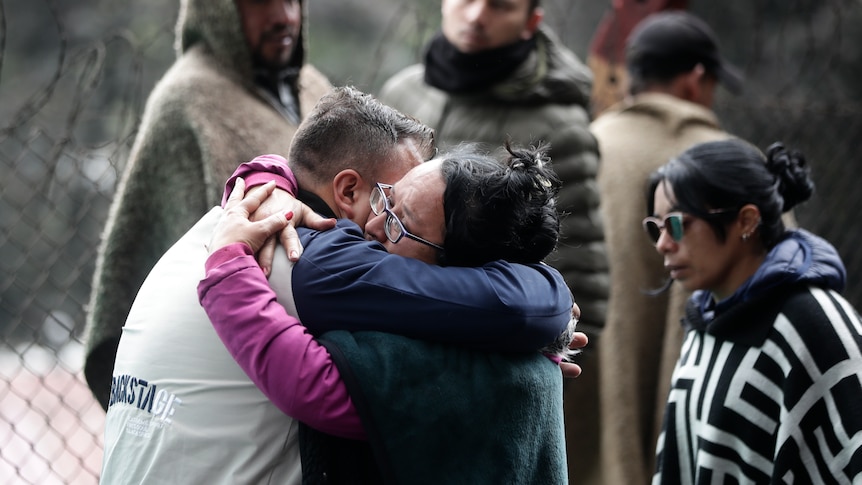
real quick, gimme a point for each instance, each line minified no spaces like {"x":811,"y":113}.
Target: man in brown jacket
{"x":238,"y":89}
{"x":674,"y":67}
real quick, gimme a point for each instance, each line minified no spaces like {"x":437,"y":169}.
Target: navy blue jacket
{"x":500,"y":306}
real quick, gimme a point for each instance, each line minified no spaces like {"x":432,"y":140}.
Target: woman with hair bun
{"x":411,"y":410}
{"x":768,"y":386}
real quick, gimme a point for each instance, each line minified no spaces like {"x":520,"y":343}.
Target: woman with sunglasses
{"x":768,"y":386}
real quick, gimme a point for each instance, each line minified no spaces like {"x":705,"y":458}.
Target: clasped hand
{"x":256,"y":218}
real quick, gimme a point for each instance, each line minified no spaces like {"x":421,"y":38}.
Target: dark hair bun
{"x":532,"y":168}
{"x":499,"y":208}
{"x":792,"y":174}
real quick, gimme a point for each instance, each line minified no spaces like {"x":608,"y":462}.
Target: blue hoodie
{"x":800,"y":257}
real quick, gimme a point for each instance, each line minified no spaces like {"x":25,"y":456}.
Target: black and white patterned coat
{"x":769,"y":389}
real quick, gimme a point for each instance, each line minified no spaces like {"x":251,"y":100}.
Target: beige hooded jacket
{"x":642,"y":335}
{"x":203,"y":118}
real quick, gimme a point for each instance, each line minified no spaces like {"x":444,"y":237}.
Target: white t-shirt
{"x":182,"y":411}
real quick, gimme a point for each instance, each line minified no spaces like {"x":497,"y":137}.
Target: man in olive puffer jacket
{"x":494,"y":72}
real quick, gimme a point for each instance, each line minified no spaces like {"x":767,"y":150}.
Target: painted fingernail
{"x":288,"y":215}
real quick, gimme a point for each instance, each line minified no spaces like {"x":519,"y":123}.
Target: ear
{"x":687,"y":85}
{"x":748,"y":220}
{"x":533,"y":22}
{"x":346,"y":188}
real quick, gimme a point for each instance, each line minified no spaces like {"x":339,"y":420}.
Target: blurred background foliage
{"x":74,"y":77}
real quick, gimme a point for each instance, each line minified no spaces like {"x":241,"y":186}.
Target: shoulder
{"x":193,"y":82}
{"x":649,"y":129}
{"x":817,"y":333}
{"x":185,"y":99}
{"x":815,"y":306}
{"x":819,"y":321}
{"x":561,"y":120}
{"x":405,"y":88}
{"x":567,"y":77}
{"x":312,"y":82}
{"x":344,"y":229}
{"x":311,"y":74}
{"x":409,"y":76}
{"x":344,"y":247}
{"x":656,"y":108}
{"x":196,"y":67}
{"x":407,"y":92}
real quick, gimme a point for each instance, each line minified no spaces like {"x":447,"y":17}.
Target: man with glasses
{"x":182,"y":411}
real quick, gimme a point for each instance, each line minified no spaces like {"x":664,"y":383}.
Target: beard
{"x":272,"y":52}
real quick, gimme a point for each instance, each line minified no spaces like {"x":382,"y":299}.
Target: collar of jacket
{"x":448,"y":69}
{"x":747,"y":323}
{"x":551,"y":74}
{"x":675,"y":113}
{"x":801,"y":259}
{"x":316,"y":203}
{"x":279,"y":89}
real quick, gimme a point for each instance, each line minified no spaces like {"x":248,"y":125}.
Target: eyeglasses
{"x":672,"y":222}
{"x":393,"y":227}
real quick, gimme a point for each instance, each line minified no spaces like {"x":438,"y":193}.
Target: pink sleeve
{"x":260,"y":171}
{"x":291,"y":368}
{"x":554,"y":358}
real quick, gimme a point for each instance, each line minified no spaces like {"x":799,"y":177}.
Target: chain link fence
{"x":68,"y":115}
{"x":72,"y":87}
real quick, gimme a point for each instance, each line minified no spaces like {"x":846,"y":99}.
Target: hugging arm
{"x":273,"y":168}
{"x":273,"y":348}
{"x":500,"y":306}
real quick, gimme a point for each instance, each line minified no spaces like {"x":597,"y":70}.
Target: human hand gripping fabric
{"x":235,"y":226}
{"x":570,"y":369}
{"x":281,"y":201}
{"x":579,"y":341}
